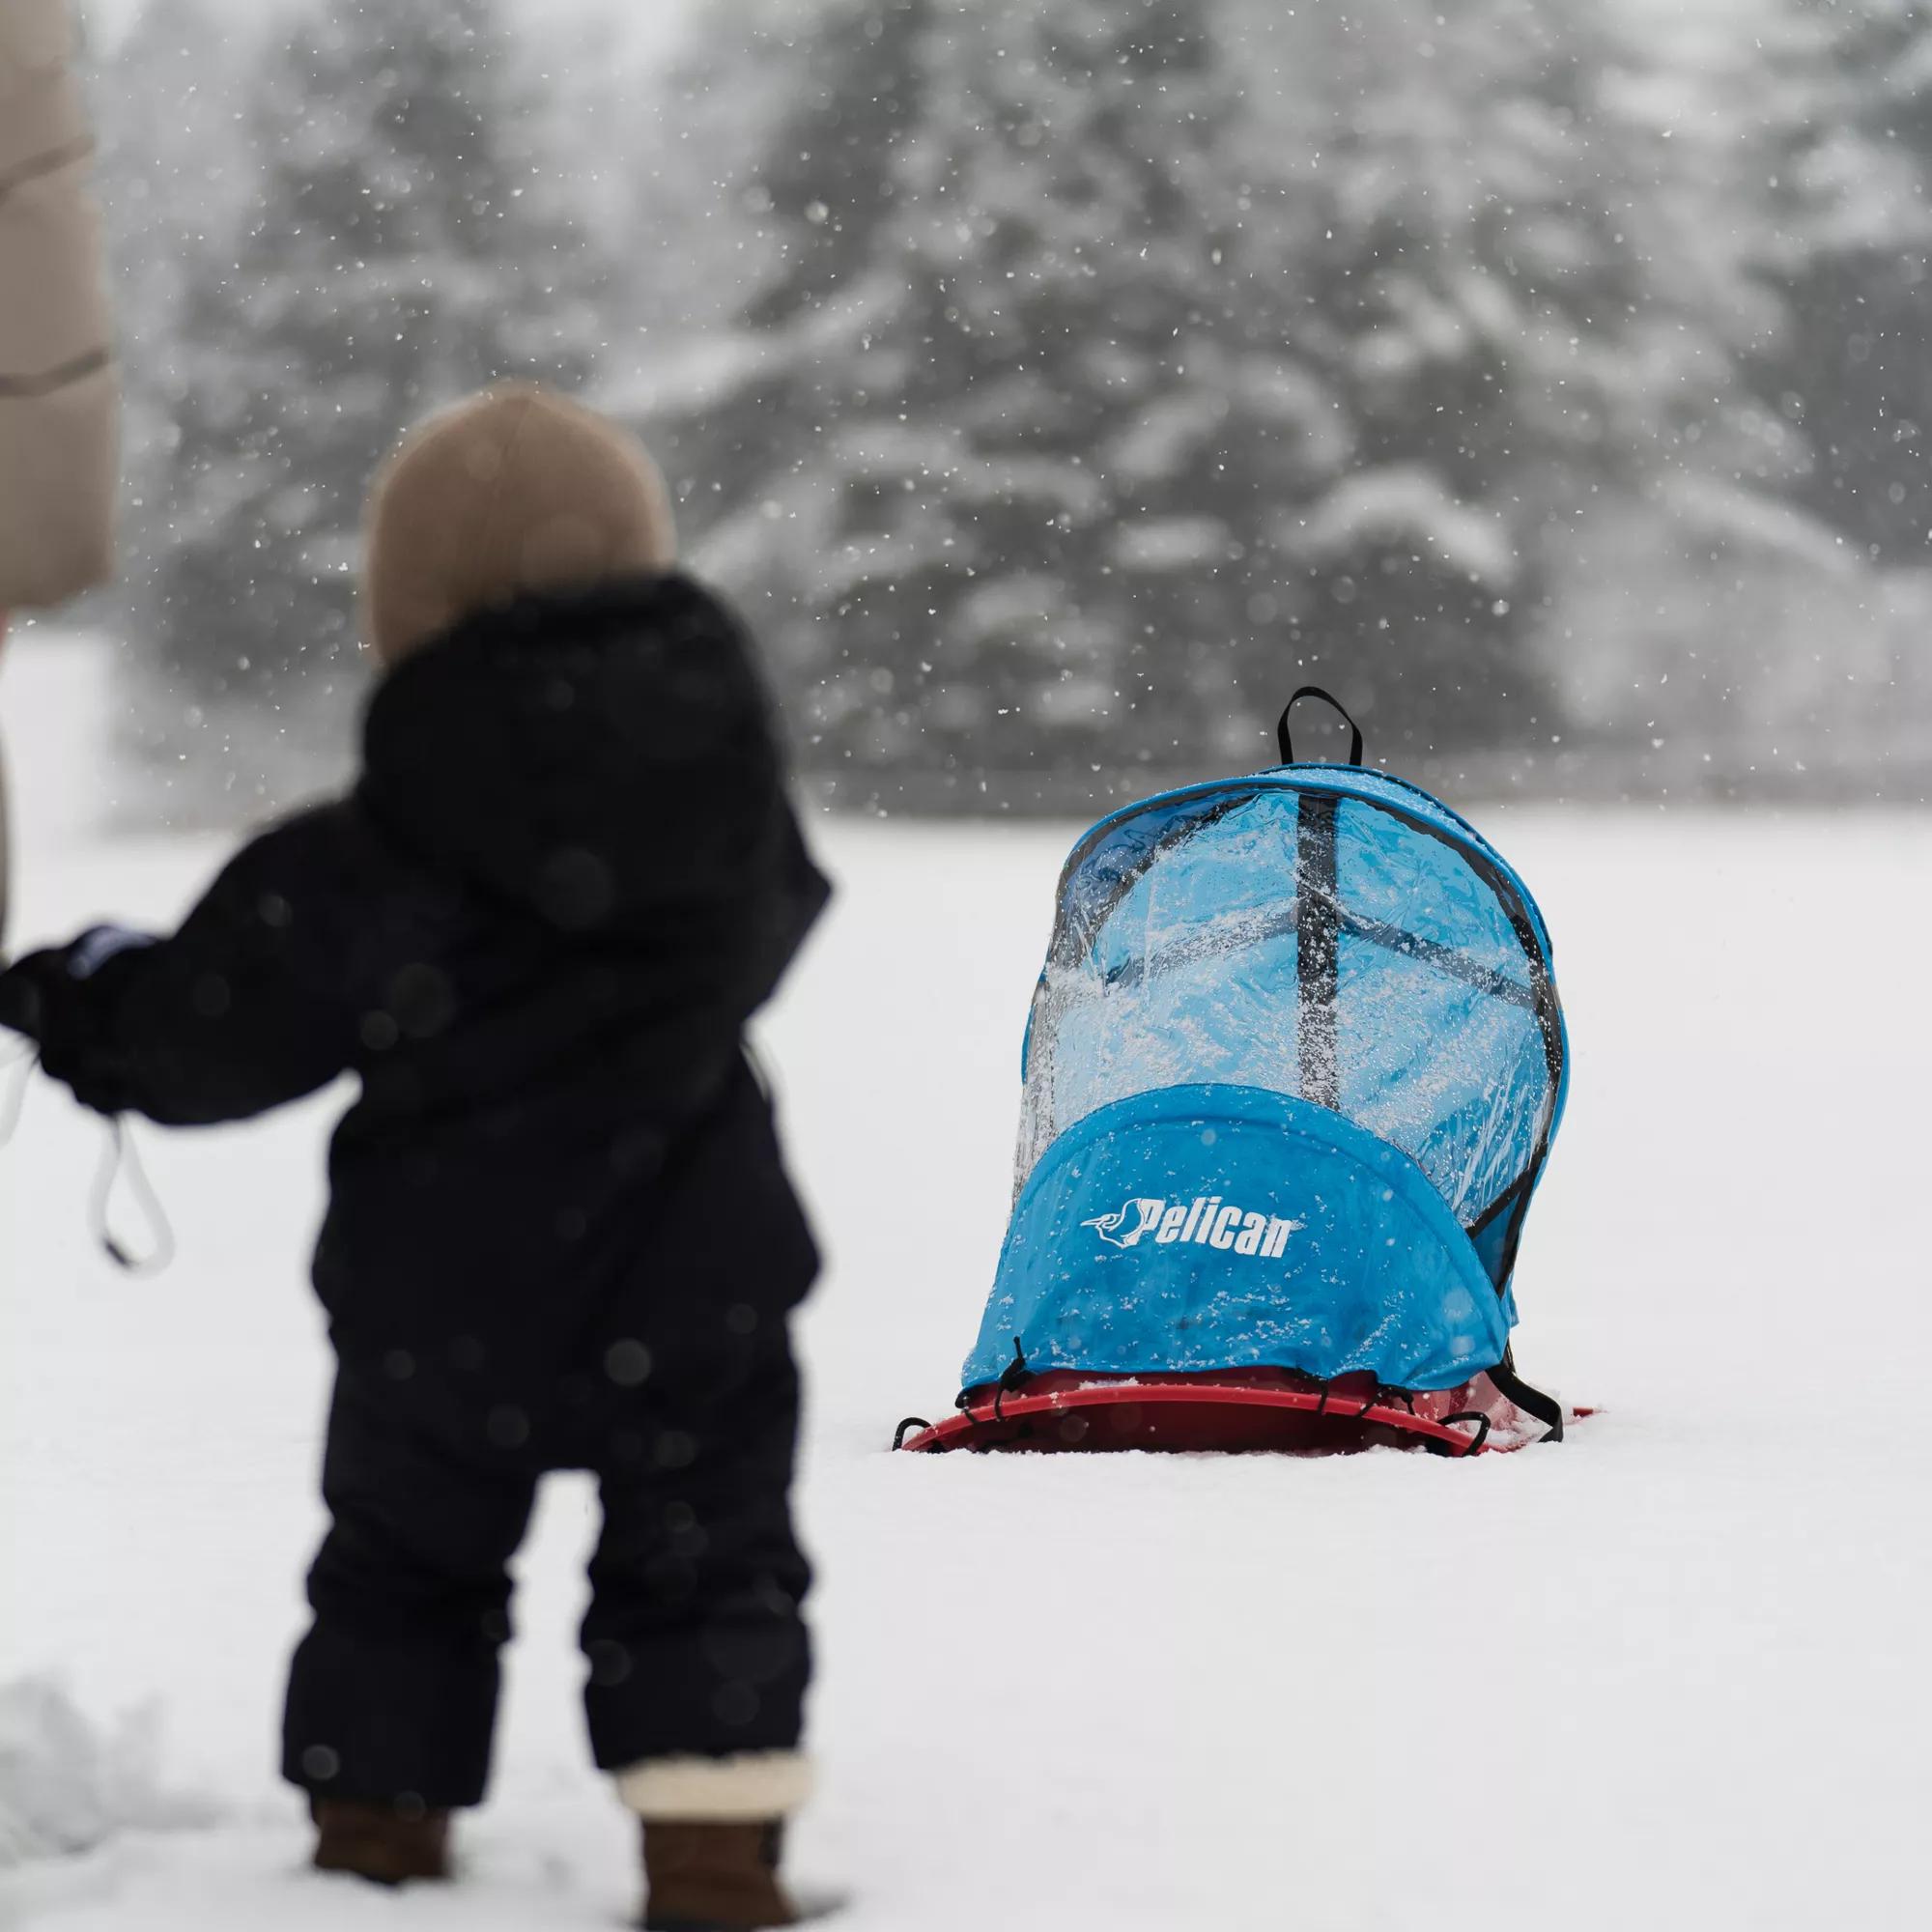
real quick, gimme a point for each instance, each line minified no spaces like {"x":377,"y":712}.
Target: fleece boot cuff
{"x":755,"y":1785}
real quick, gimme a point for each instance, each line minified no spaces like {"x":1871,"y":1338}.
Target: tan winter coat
{"x":58,"y":446}
{"x":58,"y":458}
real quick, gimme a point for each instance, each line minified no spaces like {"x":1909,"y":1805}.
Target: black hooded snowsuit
{"x":561,"y":1235}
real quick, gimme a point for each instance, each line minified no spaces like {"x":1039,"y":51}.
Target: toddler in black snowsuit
{"x":561,"y":1235}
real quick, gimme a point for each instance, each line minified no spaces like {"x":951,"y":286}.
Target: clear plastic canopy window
{"x":1183,"y":956}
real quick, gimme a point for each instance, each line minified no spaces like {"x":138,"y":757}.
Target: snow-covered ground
{"x":1671,"y":1674}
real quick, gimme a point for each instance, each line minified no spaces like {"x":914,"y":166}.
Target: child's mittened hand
{"x":20,"y":1004}
{"x":27,"y":987}
{"x":20,"y":999}
{"x":47,"y":997}
{"x":98,"y":945}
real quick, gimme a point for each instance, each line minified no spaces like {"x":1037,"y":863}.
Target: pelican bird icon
{"x":1126,"y":1226}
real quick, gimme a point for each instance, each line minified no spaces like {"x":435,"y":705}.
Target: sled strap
{"x":1334,"y":704}
{"x":1484,"y":1424}
{"x":1532,"y":1400}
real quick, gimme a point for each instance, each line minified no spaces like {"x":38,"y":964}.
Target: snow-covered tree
{"x":974,"y":470}
{"x":765,"y":179}
{"x":176,"y":175}
{"x":405,"y":248}
{"x":1458,"y":256}
{"x":1846,"y":152}
{"x":1507,"y":282}
{"x":1128,"y":360}
{"x":1746,"y":623}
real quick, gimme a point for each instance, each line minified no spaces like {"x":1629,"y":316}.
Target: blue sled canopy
{"x":1293,"y":1069}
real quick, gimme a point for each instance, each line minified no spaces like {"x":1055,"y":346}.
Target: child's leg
{"x":699,"y":1653}
{"x":392,"y":1697}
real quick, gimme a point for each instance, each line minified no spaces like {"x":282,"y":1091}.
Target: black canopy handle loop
{"x":1335,"y":704}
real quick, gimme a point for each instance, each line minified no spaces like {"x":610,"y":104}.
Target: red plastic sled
{"x":1250,"y":1410}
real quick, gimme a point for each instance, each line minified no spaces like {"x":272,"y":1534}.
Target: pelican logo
{"x":1127,"y":1225}
{"x":1207,"y":1221}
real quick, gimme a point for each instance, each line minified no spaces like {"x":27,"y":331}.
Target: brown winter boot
{"x":379,"y":1842}
{"x":714,"y":1878}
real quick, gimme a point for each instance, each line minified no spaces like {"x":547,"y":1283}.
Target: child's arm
{"x":240,"y":1011}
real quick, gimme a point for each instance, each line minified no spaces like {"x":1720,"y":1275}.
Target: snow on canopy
{"x":1176,"y":960}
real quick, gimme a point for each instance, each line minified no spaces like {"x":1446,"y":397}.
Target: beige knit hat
{"x":515,"y":490}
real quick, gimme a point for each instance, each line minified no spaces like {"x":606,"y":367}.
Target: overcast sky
{"x":651,"y":24}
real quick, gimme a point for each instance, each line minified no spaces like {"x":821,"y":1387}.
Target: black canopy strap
{"x":1318,"y":956}
{"x":1512,"y":1387}
{"x":1501,"y":1204}
{"x":1335,"y":704}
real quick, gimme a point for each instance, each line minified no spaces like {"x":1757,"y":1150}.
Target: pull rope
{"x":19,"y":1064}
{"x":120,"y":1157}
{"x":762,"y":1073}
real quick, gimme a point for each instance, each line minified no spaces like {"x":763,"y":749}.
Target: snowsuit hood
{"x":603,"y":758}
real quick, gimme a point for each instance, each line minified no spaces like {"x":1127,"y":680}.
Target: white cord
{"x":123,"y":1157}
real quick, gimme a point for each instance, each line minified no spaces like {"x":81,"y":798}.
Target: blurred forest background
{"x":1055,"y":384}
